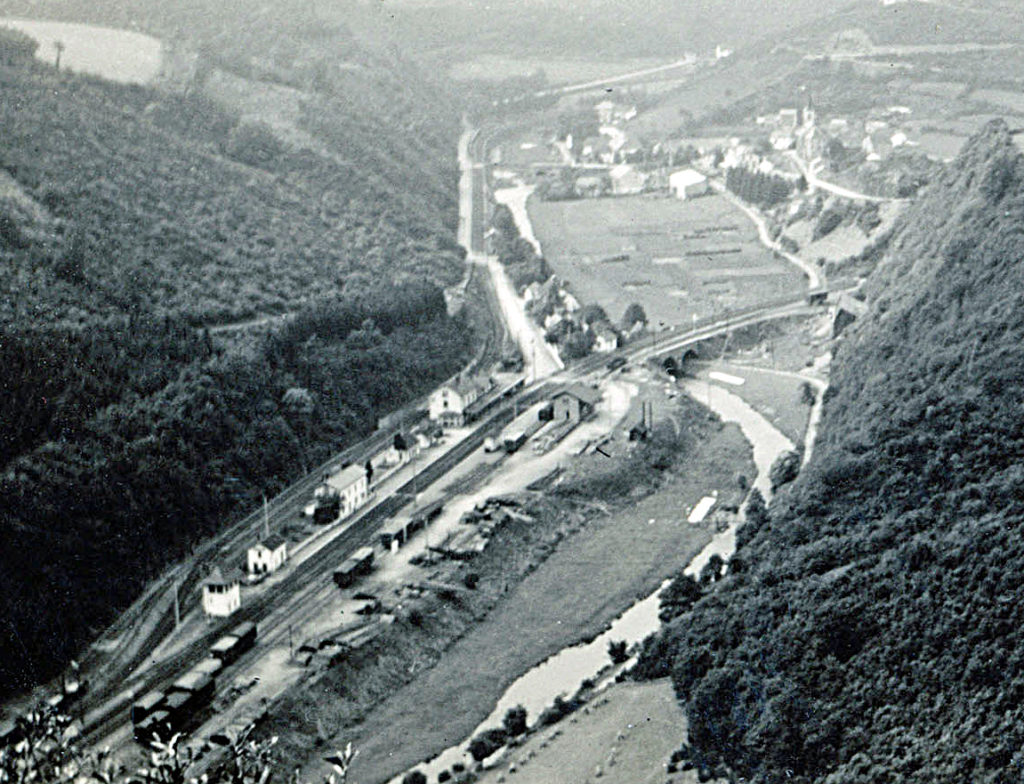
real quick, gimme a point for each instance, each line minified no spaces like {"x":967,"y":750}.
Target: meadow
{"x":558,"y":70}
{"x":685,"y":259}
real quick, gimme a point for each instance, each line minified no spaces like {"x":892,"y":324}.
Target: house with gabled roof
{"x":574,"y":403}
{"x":450,"y":402}
{"x":267,"y":555}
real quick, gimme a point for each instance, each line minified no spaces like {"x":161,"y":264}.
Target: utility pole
{"x":266,"y":517}
{"x":291,"y":648}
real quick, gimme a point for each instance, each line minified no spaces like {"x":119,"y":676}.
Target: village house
{"x":449,"y":404}
{"x":605,"y":339}
{"x":351,"y":487}
{"x":605,"y":112}
{"x":221,"y":592}
{"x":846,"y":310}
{"x":687,"y":184}
{"x":267,"y":555}
{"x":626,"y":180}
{"x":597,"y":149}
{"x":575,"y":403}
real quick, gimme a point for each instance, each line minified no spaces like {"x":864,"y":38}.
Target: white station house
{"x":350,"y":485}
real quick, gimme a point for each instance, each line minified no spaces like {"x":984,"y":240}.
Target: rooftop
{"x":223,"y":576}
{"x":581,"y":392}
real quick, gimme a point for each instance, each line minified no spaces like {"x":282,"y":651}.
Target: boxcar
{"x":146,"y":705}
{"x":358,"y":564}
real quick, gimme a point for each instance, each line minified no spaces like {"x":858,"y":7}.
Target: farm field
{"x":118,"y":55}
{"x":685,"y":259}
{"x":629,"y":734}
{"x":557,"y":70}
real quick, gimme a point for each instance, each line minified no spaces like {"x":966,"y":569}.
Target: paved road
{"x":579,"y":86}
{"x":813,"y":181}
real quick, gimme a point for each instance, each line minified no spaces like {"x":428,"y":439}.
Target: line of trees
{"x":758,"y":187}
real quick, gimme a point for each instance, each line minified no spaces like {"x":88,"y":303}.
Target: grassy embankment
{"x":563,"y":586}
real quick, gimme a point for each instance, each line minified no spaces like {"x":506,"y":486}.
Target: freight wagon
{"x":401,"y":529}
{"x":234,"y":643}
{"x":157,"y":715}
{"x":355,"y":566}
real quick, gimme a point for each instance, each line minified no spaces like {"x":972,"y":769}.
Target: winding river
{"x":562,"y":673}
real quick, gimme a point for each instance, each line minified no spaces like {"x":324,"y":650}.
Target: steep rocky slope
{"x":875,"y":631}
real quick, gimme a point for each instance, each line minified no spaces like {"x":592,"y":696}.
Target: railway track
{"x":269,"y":610}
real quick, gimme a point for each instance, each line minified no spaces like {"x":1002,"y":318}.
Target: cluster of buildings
{"x":876,"y":136}
{"x":559,"y":312}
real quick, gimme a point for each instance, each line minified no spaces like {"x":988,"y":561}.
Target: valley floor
{"x":591,"y":578}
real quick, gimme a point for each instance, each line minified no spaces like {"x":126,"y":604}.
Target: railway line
{"x":303,"y":591}
{"x":295,"y":596}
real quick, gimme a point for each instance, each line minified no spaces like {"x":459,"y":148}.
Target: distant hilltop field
{"x":118,"y":55}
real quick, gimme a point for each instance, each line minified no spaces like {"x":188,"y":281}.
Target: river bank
{"x":628,"y":732}
{"x":591,"y":576}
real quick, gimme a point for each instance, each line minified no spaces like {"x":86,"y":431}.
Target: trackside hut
{"x":268,"y":555}
{"x":221,"y":592}
{"x":575,"y":403}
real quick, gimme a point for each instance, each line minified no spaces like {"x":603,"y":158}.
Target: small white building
{"x":449,"y":404}
{"x":626,"y":179}
{"x":221,"y":592}
{"x":267,"y":555}
{"x":605,"y":339}
{"x":605,"y":112}
{"x":351,"y":487}
{"x":687,"y":183}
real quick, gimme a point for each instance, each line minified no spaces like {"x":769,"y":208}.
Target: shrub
{"x":415,"y":777}
{"x":254,"y":143}
{"x":515,"y":721}
{"x":487,"y":742}
{"x":617,"y":651}
{"x":784,"y":469}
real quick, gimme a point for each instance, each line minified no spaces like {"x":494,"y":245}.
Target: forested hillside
{"x":874,"y":631}
{"x":130,"y":221}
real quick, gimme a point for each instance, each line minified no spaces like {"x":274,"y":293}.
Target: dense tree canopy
{"x":874,"y":633}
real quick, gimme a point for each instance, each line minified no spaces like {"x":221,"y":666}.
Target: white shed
{"x":268,"y":555}
{"x":687,"y":183}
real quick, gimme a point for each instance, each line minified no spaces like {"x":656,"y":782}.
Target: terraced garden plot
{"x":677,"y":259}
